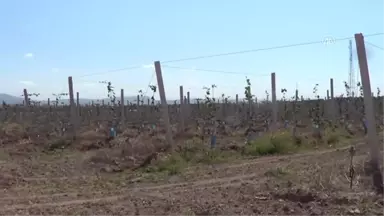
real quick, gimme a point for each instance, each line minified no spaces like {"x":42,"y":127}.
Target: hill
{"x":10,"y":99}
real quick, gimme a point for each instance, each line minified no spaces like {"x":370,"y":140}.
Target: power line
{"x":243,"y":52}
{"x":145,"y":93}
{"x":239,"y":52}
{"x":213,"y":71}
{"x":150,"y":81}
{"x":369,"y":43}
{"x":111,"y":71}
{"x":268,"y":48}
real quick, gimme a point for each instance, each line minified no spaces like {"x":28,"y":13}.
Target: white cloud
{"x":28,"y":55}
{"x":28,"y":83}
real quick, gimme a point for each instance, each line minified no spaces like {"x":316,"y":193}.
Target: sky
{"x":42,"y":42}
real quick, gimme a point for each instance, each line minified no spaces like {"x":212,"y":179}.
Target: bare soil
{"x":312,"y":183}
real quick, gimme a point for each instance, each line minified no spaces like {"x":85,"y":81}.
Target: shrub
{"x":279,"y":143}
{"x":212,"y":156}
{"x":336,"y":136}
{"x":172,"y":164}
{"x":191,"y":149}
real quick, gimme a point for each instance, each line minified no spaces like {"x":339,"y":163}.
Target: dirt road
{"x":310,"y":183}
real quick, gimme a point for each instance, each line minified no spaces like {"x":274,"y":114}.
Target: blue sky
{"x":42,"y":42}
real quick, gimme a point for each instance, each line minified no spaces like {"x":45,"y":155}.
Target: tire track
{"x":64,"y":203}
{"x":220,"y":183}
{"x":169,"y":187}
{"x":238,"y":164}
{"x":219,"y":171}
{"x":165,"y":188}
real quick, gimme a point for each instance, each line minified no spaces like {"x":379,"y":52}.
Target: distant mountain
{"x":10,"y":99}
{"x":83,"y":101}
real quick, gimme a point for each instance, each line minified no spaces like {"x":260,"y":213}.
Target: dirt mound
{"x":297,"y":196}
{"x":126,"y":153}
{"x":7,"y":180}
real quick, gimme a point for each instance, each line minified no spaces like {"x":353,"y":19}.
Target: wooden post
{"x":250,"y":111}
{"x":372,"y":137}
{"x":332,"y":104}
{"x":187,"y":105}
{"x":182,"y":126}
{"x":164,"y":105}
{"x":26,"y":100}
{"x":138,"y":100}
{"x":122,"y":107}
{"x":72,"y":107}
{"x":294,"y":128}
{"x":78,"y":103}
{"x":77,"y":99}
{"x":274,"y":104}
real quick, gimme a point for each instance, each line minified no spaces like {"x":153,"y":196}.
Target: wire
{"x":369,"y":43}
{"x":213,"y":71}
{"x":242,"y":52}
{"x":235,"y":53}
{"x":150,"y":81}
{"x":145,"y":93}
{"x":265,"y":49}
{"x":111,"y":71}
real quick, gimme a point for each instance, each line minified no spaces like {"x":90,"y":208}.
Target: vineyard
{"x":212,"y":156}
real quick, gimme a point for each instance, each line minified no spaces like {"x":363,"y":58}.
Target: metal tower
{"x":351,"y":75}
